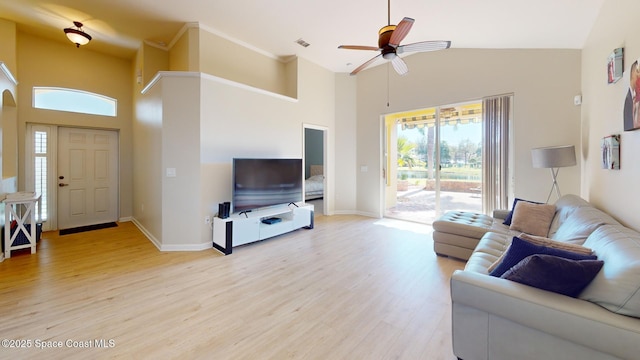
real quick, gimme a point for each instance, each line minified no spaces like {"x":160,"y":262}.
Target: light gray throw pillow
{"x":531,"y":218}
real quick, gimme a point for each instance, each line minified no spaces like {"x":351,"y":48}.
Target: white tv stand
{"x":243,"y":228}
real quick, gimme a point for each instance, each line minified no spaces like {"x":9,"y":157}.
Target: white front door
{"x":87,"y":177}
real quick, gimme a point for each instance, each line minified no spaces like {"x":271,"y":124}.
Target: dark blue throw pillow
{"x":553,"y":273}
{"x":520,"y":249}
{"x":507,"y":220}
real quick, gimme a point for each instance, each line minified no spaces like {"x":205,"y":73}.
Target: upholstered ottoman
{"x":457,"y":233}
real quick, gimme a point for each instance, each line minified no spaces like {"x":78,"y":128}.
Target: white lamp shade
{"x":77,"y":37}
{"x":553,"y":156}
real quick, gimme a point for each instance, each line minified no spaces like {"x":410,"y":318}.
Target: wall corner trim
{"x":8,"y":73}
{"x":209,"y":77}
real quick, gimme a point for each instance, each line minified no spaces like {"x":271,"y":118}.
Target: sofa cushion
{"x":553,"y":273}
{"x":540,"y":240}
{"x":565,"y":206}
{"x":509,"y":217}
{"x":463,"y":223}
{"x":531,"y":218}
{"x":489,"y":249}
{"x":581,"y":223}
{"x":543,"y":241}
{"x":617,"y":286}
{"x":520,"y":249}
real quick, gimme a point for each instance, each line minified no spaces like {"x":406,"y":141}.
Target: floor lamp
{"x":554,"y":157}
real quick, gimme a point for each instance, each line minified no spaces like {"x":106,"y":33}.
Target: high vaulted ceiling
{"x":118,"y":26}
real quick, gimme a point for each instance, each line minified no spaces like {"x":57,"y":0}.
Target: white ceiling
{"x":118,"y":26}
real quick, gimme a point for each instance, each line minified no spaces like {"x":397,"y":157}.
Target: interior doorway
{"x":433,"y":161}
{"x":315,"y":184}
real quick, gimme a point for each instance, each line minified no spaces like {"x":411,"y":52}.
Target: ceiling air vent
{"x":302,"y":43}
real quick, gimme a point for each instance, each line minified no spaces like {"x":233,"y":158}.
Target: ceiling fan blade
{"x":399,"y":65}
{"x":424,"y":46}
{"x":358,"y":47}
{"x":369,"y":62}
{"x":401,"y":31}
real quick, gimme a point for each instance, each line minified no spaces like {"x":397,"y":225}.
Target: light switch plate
{"x":577,"y":100}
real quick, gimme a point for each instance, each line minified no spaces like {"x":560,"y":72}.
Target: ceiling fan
{"x":389,"y":38}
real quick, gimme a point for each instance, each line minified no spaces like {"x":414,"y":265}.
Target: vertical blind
{"x":497,"y":117}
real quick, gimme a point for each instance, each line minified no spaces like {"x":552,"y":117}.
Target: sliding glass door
{"x":460,"y":159}
{"x":433,"y":162}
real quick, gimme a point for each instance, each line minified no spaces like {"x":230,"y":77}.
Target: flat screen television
{"x":259,"y":183}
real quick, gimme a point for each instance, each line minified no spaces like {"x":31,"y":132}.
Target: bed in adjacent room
{"x":314,"y":184}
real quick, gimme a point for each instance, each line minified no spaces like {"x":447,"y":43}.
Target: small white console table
{"x":21,"y":207}
{"x":243,"y":228}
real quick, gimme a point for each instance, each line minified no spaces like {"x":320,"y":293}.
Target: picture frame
{"x":610,"y":148}
{"x":615,"y":66}
{"x":631,"y":110}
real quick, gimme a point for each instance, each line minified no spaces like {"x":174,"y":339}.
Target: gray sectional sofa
{"x":495,"y":318}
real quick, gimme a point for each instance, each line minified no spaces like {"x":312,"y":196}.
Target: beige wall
{"x":8,"y":45}
{"x":543,"y":82}
{"x":271,"y":127}
{"x":183,"y":55}
{"x":181,"y":117}
{"x":48,"y":63}
{"x":151,"y":61}
{"x":291,"y":78}
{"x":613,"y":191}
{"x":8,"y":135}
{"x":9,"y":125}
{"x":224,"y":58}
{"x":201,"y":50}
{"x":147,"y":143}
{"x":147,"y":159}
{"x":197,"y":123}
{"x":8,"y":109}
{"x":346,"y":144}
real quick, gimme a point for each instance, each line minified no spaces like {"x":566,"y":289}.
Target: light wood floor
{"x":352,"y":288}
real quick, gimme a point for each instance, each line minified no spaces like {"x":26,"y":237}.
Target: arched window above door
{"x":72,"y":100}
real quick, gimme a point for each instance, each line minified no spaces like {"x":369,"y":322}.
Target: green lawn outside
{"x":450,"y":173}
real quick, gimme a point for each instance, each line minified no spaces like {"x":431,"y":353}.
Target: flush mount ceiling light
{"x":77,"y":36}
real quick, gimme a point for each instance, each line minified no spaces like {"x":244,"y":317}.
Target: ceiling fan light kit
{"x":389,"y":38}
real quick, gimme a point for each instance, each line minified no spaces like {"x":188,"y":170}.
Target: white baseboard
{"x":368,"y":214}
{"x":171,"y":247}
{"x":344,"y":212}
{"x":144,"y":231}
{"x":355,"y":212}
{"x":187,"y":247}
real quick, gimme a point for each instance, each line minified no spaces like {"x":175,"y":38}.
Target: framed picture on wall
{"x":615,"y":66}
{"x":610,"y":147}
{"x":631,"y":109}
